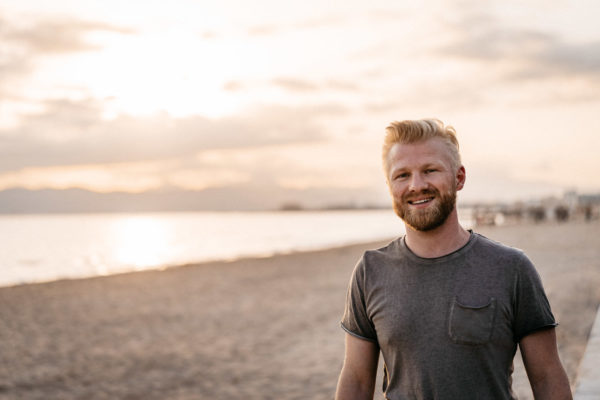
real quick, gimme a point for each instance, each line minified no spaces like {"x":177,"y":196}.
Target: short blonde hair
{"x":413,"y":131}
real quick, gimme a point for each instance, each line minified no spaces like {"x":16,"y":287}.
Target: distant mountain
{"x":242,"y":198}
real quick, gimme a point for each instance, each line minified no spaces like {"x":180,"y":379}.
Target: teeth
{"x":420,"y":201}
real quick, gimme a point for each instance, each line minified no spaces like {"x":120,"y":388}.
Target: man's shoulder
{"x":499,"y":249}
{"x":494,"y":244}
{"x":378,"y":255}
{"x":392,"y":248}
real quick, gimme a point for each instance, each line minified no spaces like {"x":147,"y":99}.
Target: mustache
{"x":424,"y":192}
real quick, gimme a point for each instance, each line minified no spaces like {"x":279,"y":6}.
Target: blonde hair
{"x":407,"y":132}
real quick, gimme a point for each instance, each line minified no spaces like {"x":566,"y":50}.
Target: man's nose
{"x":417,"y":183}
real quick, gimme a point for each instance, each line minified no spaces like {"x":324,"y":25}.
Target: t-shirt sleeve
{"x":532,"y":311}
{"x":356,"y":320}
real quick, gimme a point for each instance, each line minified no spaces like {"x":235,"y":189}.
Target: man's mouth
{"x":420,"y":201}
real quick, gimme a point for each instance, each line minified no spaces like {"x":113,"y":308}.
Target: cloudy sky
{"x":137,"y":95}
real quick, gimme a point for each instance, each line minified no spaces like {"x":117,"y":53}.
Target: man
{"x":446,"y":307}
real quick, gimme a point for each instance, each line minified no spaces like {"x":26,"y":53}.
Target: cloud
{"x":295,"y":85}
{"x":302,"y":85}
{"x":572,"y":59}
{"x":423,"y":98}
{"x":74,"y":132}
{"x":24,"y":44}
{"x":56,"y":35}
{"x":342,"y":85}
{"x":531,"y":54}
{"x":326,"y":164}
{"x":481,"y":60}
{"x":264,"y":30}
{"x":307,"y":24}
{"x":233,"y":86}
{"x":489,"y":43}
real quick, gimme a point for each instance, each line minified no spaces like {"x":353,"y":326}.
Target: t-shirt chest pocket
{"x":472,"y":324}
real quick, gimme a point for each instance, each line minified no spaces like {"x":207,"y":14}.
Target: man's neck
{"x":438,"y":242}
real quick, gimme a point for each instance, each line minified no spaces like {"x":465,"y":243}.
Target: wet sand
{"x":250,"y":329}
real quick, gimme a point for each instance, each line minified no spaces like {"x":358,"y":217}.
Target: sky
{"x":136,"y":96}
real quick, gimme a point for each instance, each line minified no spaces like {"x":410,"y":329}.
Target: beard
{"x":431,"y":217}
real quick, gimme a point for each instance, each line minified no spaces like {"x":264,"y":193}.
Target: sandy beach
{"x":250,"y":329}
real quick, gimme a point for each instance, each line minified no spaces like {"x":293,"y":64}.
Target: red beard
{"x":428,"y":218}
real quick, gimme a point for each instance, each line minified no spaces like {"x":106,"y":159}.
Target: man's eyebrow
{"x":398,"y":169}
{"x":436,"y":164}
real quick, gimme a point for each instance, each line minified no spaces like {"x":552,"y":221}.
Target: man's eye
{"x":428,"y":171}
{"x":401,"y":176}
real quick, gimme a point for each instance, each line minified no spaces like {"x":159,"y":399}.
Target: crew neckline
{"x":424,"y":260}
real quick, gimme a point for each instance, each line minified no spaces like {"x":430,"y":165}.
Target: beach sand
{"x":249,"y":329}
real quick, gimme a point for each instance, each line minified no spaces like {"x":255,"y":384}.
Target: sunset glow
{"x":107,"y":96}
{"x":141,"y":242}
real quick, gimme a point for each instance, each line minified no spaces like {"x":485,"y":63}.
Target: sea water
{"x":37,"y":248}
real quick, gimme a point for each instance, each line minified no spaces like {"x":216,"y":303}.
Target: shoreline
{"x":63,"y":247}
{"x":255,"y":328}
{"x":210,"y":262}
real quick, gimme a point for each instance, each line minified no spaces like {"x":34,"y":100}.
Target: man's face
{"x":423,"y":183}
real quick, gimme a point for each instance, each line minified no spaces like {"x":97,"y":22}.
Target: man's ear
{"x":461,"y":177}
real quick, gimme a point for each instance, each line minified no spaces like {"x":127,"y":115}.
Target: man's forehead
{"x":424,"y":151}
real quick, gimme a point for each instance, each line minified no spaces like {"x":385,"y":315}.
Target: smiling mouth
{"x":421,"y":201}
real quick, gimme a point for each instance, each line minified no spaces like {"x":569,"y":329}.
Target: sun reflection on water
{"x":141,"y":242}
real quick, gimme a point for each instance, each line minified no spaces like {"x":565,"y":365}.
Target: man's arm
{"x":544,"y":369}
{"x":357,"y":379}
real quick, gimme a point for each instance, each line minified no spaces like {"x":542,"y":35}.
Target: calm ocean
{"x":37,"y":248}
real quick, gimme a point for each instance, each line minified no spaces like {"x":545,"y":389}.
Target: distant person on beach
{"x":445,"y":306}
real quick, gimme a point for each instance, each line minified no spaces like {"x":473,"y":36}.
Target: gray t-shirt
{"x":447,"y":327}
